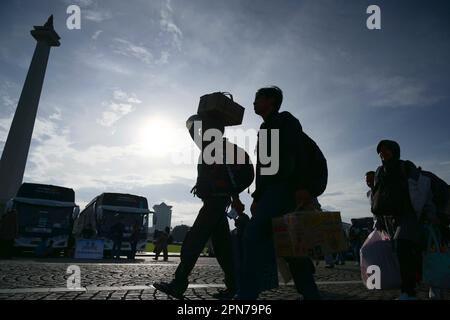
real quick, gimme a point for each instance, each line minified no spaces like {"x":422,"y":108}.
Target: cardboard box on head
{"x":219,"y":106}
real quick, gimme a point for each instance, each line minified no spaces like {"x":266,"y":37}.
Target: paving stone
{"x":47,"y":280}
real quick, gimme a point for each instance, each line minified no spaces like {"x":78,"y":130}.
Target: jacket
{"x":293,"y":160}
{"x":408,"y":224}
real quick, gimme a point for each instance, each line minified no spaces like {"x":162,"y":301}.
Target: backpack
{"x":318,"y":166}
{"x":241,"y":175}
{"x":440,"y":191}
{"x":387,"y":198}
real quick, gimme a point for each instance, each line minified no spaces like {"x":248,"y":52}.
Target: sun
{"x":156,"y":136}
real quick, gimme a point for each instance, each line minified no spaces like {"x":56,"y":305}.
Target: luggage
{"x":378,"y":251}
{"x":219,"y":106}
{"x":308,"y":233}
{"x":436,"y":260}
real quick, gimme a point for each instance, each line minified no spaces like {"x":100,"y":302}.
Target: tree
{"x":179,"y":232}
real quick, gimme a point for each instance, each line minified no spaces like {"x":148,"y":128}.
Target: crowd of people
{"x":401,"y":198}
{"x":294,"y":187}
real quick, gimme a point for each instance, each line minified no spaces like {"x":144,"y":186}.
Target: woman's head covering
{"x":393,"y":146}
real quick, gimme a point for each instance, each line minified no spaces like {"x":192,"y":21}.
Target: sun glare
{"x":156,"y":136}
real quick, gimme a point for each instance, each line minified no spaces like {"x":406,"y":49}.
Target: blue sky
{"x":121,"y":88}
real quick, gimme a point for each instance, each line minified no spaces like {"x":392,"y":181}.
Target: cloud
{"x":81,"y":3}
{"x":333,"y":194}
{"x":390,"y":91}
{"x":96,"y":15}
{"x":122,"y":104}
{"x":399,"y":91}
{"x":100,"y":62}
{"x":184,"y":212}
{"x":91,"y":11}
{"x":114,"y":113}
{"x":121,"y":168}
{"x":57,"y":115}
{"x":5,"y":124}
{"x":168,"y":25}
{"x":96,"y":34}
{"x":124,"y":97}
{"x":6,"y":100}
{"x":128,"y":49}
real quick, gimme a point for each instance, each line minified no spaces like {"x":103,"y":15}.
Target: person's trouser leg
{"x":258,"y":242}
{"x":133,"y":249}
{"x":356,"y":248}
{"x":329,"y":260}
{"x":158,"y":250}
{"x":166,"y":253}
{"x":222,"y":245}
{"x":204,"y":226}
{"x":302,"y":270}
{"x":114,"y":249}
{"x":407,"y":254}
{"x":117,"y":246}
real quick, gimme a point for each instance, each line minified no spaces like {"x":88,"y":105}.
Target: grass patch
{"x":174,"y":248}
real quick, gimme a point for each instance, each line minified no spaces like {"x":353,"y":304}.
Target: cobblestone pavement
{"x":28,"y":278}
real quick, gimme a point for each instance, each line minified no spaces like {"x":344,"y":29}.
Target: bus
{"x":96,"y":220}
{"x":44,"y":213}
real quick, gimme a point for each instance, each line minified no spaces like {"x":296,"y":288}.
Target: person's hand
{"x":237,"y":205}
{"x":303,"y":199}
{"x":253,"y":208}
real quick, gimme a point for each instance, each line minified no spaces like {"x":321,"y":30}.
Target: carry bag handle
{"x":228,"y":94}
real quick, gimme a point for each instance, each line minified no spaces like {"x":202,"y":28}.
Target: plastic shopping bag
{"x":379,"y":262}
{"x":436,"y":261}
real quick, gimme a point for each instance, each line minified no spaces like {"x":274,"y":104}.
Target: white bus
{"x":44,"y":213}
{"x":96,"y":220}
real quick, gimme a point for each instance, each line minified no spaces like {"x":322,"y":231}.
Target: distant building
{"x":162,"y":216}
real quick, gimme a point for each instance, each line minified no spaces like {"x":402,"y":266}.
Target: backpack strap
{"x":230,"y":174}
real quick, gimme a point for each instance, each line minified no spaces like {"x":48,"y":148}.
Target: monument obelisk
{"x":15,"y":152}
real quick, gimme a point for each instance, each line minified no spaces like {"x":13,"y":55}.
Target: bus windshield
{"x":40,"y":220}
{"x":110,"y":218}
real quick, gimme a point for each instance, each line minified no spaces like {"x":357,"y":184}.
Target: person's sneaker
{"x":329,"y":266}
{"x":405,"y":296}
{"x":225,"y":294}
{"x":169,"y":289}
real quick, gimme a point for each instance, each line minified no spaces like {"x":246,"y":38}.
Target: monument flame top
{"x":47,"y":33}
